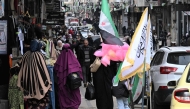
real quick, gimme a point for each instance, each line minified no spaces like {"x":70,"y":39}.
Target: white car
{"x":68,"y":14}
{"x":167,"y":67}
{"x":73,"y":25}
{"x":86,"y":32}
{"x":67,"y":20}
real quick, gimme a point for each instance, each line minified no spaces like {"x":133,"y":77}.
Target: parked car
{"x":67,"y":20}
{"x":73,"y":25}
{"x":181,"y":94}
{"x":85,"y":33}
{"x":167,"y":66}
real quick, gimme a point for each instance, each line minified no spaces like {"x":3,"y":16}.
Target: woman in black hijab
{"x":102,"y":80}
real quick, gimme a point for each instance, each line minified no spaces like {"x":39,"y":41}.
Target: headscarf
{"x":66,"y":64}
{"x":35,"y":45}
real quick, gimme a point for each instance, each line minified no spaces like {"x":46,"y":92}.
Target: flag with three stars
{"x":107,"y":27}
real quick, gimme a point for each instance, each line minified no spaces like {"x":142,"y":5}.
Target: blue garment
{"x":35,"y":45}
{"x":51,"y":93}
{"x":122,"y":103}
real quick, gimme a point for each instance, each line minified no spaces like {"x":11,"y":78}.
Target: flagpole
{"x":150,"y":89}
{"x":144,"y":69}
{"x":131,"y":99}
{"x":143,"y":85}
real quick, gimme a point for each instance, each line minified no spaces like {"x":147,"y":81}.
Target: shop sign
{"x":157,"y":9}
{"x":53,"y":22}
{"x":52,"y":15}
{"x":182,"y":7}
{"x":57,"y":5}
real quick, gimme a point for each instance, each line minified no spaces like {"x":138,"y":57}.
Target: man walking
{"x":85,"y":58}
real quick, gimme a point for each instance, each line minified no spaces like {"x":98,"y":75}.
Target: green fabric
{"x":135,"y":84}
{"x":15,"y":96}
{"x":105,"y":9}
{"x":47,"y":50}
{"x":116,"y":80}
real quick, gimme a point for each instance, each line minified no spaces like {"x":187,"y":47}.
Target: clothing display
{"x":65,"y":65}
{"x":15,"y":95}
{"x":33,"y":77}
{"x":51,"y":92}
{"x":51,"y":53}
{"x":21,"y":39}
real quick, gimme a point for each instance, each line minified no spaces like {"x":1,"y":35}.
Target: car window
{"x":154,"y":58}
{"x":181,"y":58}
{"x":157,"y":60}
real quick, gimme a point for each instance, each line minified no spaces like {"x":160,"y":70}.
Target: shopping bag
{"x":90,"y":92}
{"x":95,"y":65}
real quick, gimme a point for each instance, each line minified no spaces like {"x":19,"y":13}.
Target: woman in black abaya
{"x":102,"y":80}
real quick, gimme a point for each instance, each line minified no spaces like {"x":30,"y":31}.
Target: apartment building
{"x":169,"y":15}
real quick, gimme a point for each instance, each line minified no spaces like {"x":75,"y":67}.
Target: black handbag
{"x":73,"y":81}
{"x":90,"y":92}
{"x":4,"y":104}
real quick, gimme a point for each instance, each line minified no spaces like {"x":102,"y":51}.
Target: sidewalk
{"x":90,"y":104}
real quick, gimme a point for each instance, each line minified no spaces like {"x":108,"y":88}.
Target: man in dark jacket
{"x":90,"y":40}
{"x":85,"y":59}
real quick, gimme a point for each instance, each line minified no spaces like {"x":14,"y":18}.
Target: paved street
{"x":90,"y":104}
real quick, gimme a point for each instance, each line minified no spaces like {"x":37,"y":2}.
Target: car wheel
{"x":153,"y":101}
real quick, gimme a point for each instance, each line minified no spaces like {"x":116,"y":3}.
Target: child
{"x":121,"y":93}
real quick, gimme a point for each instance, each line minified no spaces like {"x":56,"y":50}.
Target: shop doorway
{"x":159,"y":27}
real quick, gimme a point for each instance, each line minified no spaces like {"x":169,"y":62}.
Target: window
{"x":157,"y":59}
{"x":181,"y":58}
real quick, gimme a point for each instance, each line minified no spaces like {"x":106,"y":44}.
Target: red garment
{"x":71,"y":32}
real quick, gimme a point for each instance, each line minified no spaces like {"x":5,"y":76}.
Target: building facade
{"x":166,"y":15}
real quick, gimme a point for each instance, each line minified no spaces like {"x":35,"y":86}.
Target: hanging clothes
{"x":51,"y":53}
{"x":15,"y":95}
{"x":21,"y":39}
{"x":51,"y":58}
{"x":33,"y":78}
